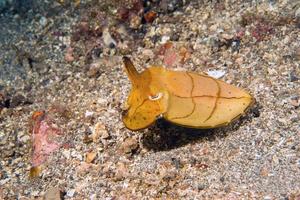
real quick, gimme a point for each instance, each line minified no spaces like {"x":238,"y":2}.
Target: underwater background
{"x":63,"y":89}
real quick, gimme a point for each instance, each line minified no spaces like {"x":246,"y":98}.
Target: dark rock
{"x":4,"y":101}
{"x":176,"y":162}
{"x":201,"y":187}
{"x":155,"y":38}
{"x":222,"y":179}
{"x":293,"y":77}
{"x":295,"y":101}
{"x":256,"y":110}
{"x":170,"y":5}
{"x":235,"y":45}
{"x":18,"y":100}
{"x":7,"y":153}
{"x":175,"y":37}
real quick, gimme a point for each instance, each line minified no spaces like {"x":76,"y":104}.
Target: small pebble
{"x":17,"y":100}
{"x":66,"y":154}
{"x":170,"y":5}
{"x":76,"y":155}
{"x":99,"y":132}
{"x":70,"y":193}
{"x":297,"y":54}
{"x":135,"y":22}
{"x":267,"y":198}
{"x":129,"y":145}
{"x":89,"y":113}
{"x":93,"y":197}
{"x":108,"y":40}
{"x":24,"y":138}
{"x":69,"y":55}
{"x":201,"y":187}
{"x":239,"y":61}
{"x":90,"y":157}
{"x":293,"y":77}
{"x":43,"y":21}
{"x":176,"y":162}
{"x":93,"y":72}
{"x":297,"y":13}
{"x":121,"y":171}
{"x":164,"y":39}
{"x":295,"y":101}
{"x":3,"y":181}
{"x":53,"y":193}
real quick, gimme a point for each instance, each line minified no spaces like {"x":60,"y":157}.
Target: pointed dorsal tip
{"x":126,"y":59}
{"x":131,"y":70}
{"x":127,"y":62}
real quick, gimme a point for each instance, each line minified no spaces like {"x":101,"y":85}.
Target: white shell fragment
{"x":216,"y":73}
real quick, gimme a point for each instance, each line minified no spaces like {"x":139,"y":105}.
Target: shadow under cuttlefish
{"x":165,"y":136}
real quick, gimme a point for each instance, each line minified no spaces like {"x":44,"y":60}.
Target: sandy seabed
{"x":65,"y":58}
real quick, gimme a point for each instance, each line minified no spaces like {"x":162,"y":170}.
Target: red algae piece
{"x":44,"y":137}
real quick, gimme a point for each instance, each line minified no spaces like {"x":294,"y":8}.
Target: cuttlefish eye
{"x":155,"y":97}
